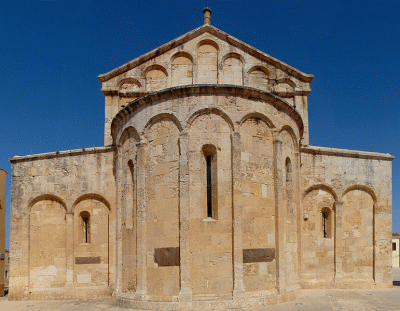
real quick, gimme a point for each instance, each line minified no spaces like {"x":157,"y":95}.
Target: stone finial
{"x":206,"y":16}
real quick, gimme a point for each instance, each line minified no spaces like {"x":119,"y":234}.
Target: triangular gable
{"x":196,"y":33}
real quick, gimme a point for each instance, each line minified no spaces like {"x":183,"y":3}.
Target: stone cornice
{"x":346,"y":153}
{"x":60,"y":154}
{"x":209,"y":89}
{"x":195,"y":33}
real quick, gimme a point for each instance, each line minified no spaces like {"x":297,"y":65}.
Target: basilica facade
{"x":206,"y":193}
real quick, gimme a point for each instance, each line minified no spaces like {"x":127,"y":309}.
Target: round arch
{"x":182,"y":54}
{"x":321,"y":187}
{"x":286,"y":80}
{"x":215,"y":111}
{"x":259,"y":67}
{"x":292,"y":134}
{"x":155,"y":67}
{"x":128,"y":132}
{"x":207,"y":41}
{"x":128,"y":80}
{"x":47,"y":196}
{"x":362,"y":188}
{"x":234,"y":55}
{"x":161,"y":116}
{"x":93,"y":196}
{"x":258,"y":115}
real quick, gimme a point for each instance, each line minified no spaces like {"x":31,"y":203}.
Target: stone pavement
{"x":308,"y":300}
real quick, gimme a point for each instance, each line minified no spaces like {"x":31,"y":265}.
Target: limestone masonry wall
{"x":53,"y":254}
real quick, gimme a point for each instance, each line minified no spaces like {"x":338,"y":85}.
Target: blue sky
{"x":52,"y":51}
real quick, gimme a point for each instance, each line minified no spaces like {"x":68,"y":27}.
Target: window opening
{"x":85,"y":216}
{"x":209,"y":187}
{"x":325,"y":217}
{"x":326,"y":222}
{"x":393,"y":246}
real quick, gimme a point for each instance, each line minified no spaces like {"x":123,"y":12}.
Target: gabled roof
{"x":195,"y":33}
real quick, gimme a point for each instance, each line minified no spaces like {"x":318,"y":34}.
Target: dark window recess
{"x":209,"y":189}
{"x":167,"y":256}
{"x":258,"y":255}
{"x":87,"y":260}
{"x":393,"y":246}
{"x":325,"y":219}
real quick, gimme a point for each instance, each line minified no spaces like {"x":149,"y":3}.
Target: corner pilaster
{"x":279,"y":217}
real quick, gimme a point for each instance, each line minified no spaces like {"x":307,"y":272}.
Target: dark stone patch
{"x":87,"y":260}
{"x":258,"y":255}
{"x":166,"y":257}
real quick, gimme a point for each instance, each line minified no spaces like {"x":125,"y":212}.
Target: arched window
{"x":85,"y":227}
{"x":210,"y":160}
{"x":289,"y":173}
{"x":326,"y":222}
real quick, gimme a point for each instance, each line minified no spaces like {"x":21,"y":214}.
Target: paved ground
{"x":319,"y":300}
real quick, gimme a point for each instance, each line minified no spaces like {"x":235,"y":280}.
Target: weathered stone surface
{"x":207,"y":193}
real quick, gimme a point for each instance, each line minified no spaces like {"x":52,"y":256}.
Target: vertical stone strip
{"x":298,"y":209}
{"x":279,"y":217}
{"x":69,"y":217}
{"x":238,"y":287}
{"x":185,"y":293}
{"x":141,"y":221}
{"x":119,"y":212}
{"x":338,"y":241}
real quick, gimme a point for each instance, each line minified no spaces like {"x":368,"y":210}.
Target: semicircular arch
{"x":186,"y":54}
{"x":258,"y":67}
{"x":215,"y":111}
{"x":161,"y":116}
{"x":93,"y":196}
{"x":324,"y":187}
{"x":258,"y":115}
{"x":234,"y":55}
{"x":47,"y":196}
{"x":155,"y":67}
{"x":290,"y":131}
{"x":207,"y":41}
{"x":287,"y":80}
{"x":129,"y":80}
{"x":362,"y":188}
{"x":128,"y":132}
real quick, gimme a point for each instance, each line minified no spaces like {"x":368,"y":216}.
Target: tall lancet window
{"x":209,"y":188}
{"x":210,"y":178}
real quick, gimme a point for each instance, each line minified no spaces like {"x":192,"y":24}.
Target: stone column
{"x":279,"y":217}
{"x":185,"y":293}
{"x":69,"y":217}
{"x":141,"y":289}
{"x":338,"y":242}
{"x":238,"y":287}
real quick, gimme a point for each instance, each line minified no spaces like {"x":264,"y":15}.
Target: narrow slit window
{"x":85,"y":221}
{"x":393,"y":246}
{"x":326,"y":222}
{"x":210,"y":180}
{"x":209,"y":187}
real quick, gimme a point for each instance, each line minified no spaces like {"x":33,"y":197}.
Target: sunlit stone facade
{"x":206,"y":194}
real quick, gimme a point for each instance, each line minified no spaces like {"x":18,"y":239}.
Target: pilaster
{"x":141,"y":222}
{"x":238,"y":286}
{"x":69,"y":217}
{"x":279,"y":217}
{"x":338,"y":242}
{"x":185,"y":293}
